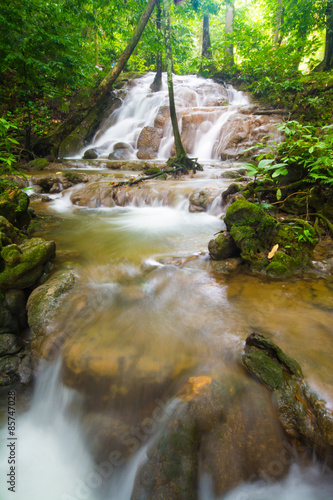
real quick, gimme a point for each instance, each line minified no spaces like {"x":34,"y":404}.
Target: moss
{"x":38,"y":164}
{"x":222,"y":247}
{"x":268,"y":372}
{"x":14,"y":207}
{"x":153,"y":170}
{"x":24,"y":270}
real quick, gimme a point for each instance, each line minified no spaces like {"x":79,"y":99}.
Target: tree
{"x":182,"y":161}
{"x":157,"y":83}
{"x":229,"y":28}
{"x":327,"y":62}
{"x":50,"y":145}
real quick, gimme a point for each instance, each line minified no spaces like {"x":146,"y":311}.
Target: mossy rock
{"x":38,"y":164}
{"x":302,"y":414}
{"x":43,"y":308}
{"x":24,"y":263}
{"x":222,"y":247}
{"x":153,"y":170}
{"x":14,"y":207}
{"x":10,"y":232}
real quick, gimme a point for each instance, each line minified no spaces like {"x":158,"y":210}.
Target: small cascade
{"x":215,"y":122}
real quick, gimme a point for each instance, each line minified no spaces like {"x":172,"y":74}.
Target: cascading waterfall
{"x":141,"y":127}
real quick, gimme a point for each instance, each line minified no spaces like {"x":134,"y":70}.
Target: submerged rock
{"x":225,"y":428}
{"x":200,"y":200}
{"x":303,"y":415}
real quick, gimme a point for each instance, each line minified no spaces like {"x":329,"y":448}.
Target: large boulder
{"x":149,"y":143}
{"x":303,"y":415}
{"x":223,"y":427}
{"x":265,"y":245}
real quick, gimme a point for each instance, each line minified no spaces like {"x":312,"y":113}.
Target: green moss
{"x":14,"y":207}
{"x":38,"y":164}
{"x":268,"y":372}
{"x":277,"y":269}
{"x":152,"y":170}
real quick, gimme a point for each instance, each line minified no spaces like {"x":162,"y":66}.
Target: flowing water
{"x":148,"y":312}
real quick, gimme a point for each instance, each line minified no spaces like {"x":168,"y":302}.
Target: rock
{"x":105,"y":433}
{"x":8,"y":322}
{"x":162,"y":116}
{"x":14,"y":207}
{"x":255,"y":233}
{"x":233,"y":174}
{"x":200,"y":200}
{"x":38,"y":164}
{"x":24,"y":263}
{"x":91,"y":154}
{"x":121,"y":151}
{"x":302,"y":414}
{"x":222,"y":247}
{"x":231,"y":194}
{"x":223,"y":427}
{"x":55,"y":183}
{"x":26,"y":369}
{"x":43,"y":308}
{"x":226,"y":266}
{"x":9,"y":366}
{"x":149,"y":143}
{"x":10,"y":344}
{"x":7,"y":230}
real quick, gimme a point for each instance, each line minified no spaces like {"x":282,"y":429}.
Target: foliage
{"x":306,"y":153}
{"x":8,"y":159}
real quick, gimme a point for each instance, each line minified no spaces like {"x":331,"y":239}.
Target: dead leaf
{"x":273,"y":251}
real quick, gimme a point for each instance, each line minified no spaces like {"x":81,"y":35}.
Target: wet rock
{"x":8,"y":233}
{"x":24,"y":263}
{"x":226,"y":266}
{"x":278,"y":249}
{"x":14,"y":207}
{"x":149,"y":143}
{"x":10,"y":344}
{"x":222,"y":247}
{"x":231,"y":194}
{"x":121,"y":151}
{"x":162,"y":116}
{"x":15,"y":301}
{"x":43,"y":308}
{"x":55,"y":183}
{"x":26,"y":369}
{"x":9,"y":366}
{"x":233,"y":174}
{"x":105,"y":433}
{"x":224,"y":428}
{"x":91,"y":154}
{"x":38,"y":164}
{"x":302,"y":414}
{"x":8,"y":322}
{"x":200,"y":200}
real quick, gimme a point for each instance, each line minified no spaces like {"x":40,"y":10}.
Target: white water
{"x":193,"y":95}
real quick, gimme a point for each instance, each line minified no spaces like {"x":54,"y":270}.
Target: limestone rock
{"x":91,"y":154}
{"x":149,"y":143}
{"x":10,"y":344}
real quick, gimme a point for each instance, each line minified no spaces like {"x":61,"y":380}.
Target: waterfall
{"x":214,"y":122}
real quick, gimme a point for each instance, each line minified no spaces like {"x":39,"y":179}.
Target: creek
{"x":150,"y":310}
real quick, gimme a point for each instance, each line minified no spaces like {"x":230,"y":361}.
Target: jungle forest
{"x":166,"y":249}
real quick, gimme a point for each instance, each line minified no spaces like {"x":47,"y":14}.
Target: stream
{"x":150,"y":310}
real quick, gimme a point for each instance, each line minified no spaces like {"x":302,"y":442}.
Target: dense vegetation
{"x":54,"y":54}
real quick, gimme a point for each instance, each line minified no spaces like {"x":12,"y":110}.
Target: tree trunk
{"x":50,"y":145}
{"x":206,"y":48}
{"x":180,"y":151}
{"x":157,"y":83}
{"x":327,"y":62}
{"x":278,"y":22}
{"x":229,"y":28}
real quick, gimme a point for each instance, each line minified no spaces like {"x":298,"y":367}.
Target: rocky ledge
{"x":24,"y":264}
